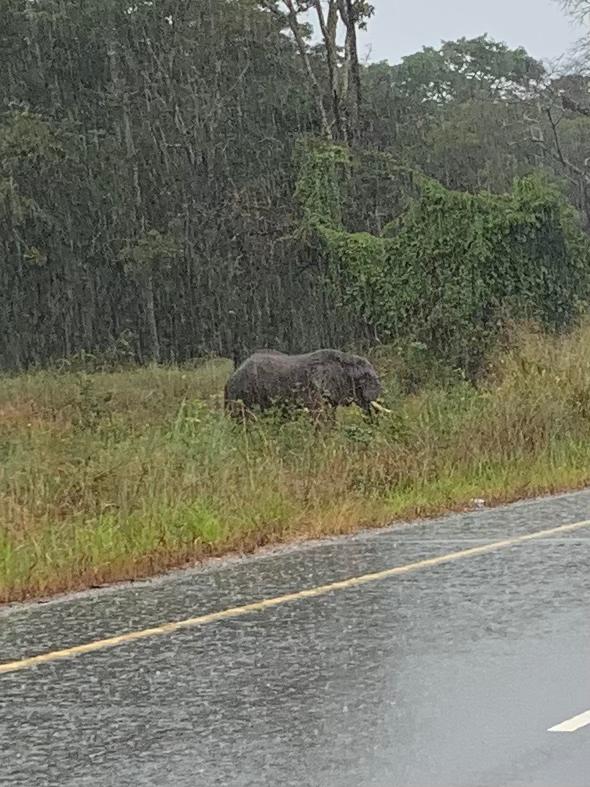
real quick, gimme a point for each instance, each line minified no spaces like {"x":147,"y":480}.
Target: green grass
{"x":109,"y":476}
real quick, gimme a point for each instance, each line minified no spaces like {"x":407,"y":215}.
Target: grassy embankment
{"x":108,"y":476}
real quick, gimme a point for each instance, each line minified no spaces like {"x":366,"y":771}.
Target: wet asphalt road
{"x":448,"y":675}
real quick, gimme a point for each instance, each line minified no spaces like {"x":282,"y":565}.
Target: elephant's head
{"x":365,"y":386}
{"x":347,"y":379}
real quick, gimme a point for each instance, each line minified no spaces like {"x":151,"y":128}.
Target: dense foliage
{"x":453,"y":265}
{"x":148,"y":204}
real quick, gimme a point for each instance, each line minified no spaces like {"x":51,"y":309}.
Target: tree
{"x":145,"y":258}
{"x":561,"y":135}
{"x":148,"y":165}
{"x":343,"y":71}
{"x":452,"y":265}
{"x":565,"y":106}
{"x":579,"y":9}
{"x":457,"y":112}
{"x":183,"y":117}
{"x":300,"y":33}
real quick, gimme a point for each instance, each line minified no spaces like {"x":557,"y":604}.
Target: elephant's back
{"x":262,"y":375}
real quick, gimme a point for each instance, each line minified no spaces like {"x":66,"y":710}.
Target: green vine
{"x":451,"y":266}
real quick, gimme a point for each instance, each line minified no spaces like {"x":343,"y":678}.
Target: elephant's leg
{"x":326,"y":421}
{"x":323,"y":412}
{"x":239,"y":412}
{"x":314,"y":404}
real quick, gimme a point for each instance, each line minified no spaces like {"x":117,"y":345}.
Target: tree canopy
{"x":151,"y":169}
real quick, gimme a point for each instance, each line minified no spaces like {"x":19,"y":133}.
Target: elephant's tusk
{"x":380,"y":409}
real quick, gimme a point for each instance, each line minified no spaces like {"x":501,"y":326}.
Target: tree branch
{"x":328,"y":31}
{"x":295,"y":28}
{"x":559,"y":151}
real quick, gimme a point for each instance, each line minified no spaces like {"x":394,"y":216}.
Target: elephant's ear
{"x":354,"y":371}
{"x":360,"y":374}
{"x":354,"y":366}
{"x":330,"y":377}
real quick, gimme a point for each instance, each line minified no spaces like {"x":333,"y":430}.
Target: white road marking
{"x":573,"y":724}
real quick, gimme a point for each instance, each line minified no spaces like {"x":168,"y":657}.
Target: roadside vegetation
{"x":198,"y":180}
{"x":116,"y":475}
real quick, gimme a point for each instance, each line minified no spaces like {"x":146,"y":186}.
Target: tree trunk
{"x":328,"y":29}
{"x":150,"y":317}
{"x":301,"y":46}
{"x":353,"y":91}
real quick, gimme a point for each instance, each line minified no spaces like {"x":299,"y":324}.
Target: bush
{"x":453,"y":266}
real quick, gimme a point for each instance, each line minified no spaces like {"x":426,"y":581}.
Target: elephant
{"x":317,"y":381}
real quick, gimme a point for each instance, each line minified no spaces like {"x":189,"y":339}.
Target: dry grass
{"x":116,"y":476}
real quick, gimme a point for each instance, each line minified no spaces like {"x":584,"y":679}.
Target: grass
{"x":110,"y":476}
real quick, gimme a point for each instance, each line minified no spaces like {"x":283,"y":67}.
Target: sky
{"x":401,"y":27}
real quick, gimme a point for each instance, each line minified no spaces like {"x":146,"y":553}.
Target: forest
{"x":190,"y":179}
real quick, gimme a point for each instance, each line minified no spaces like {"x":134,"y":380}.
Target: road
{"x":420,"y":656}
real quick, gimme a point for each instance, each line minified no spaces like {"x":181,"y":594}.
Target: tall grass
{"x":107,"y":476}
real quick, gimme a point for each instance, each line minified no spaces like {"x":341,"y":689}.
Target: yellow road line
{"x":259,"y":606}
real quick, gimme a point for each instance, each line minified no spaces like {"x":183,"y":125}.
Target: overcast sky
{"x":401,"y":27}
